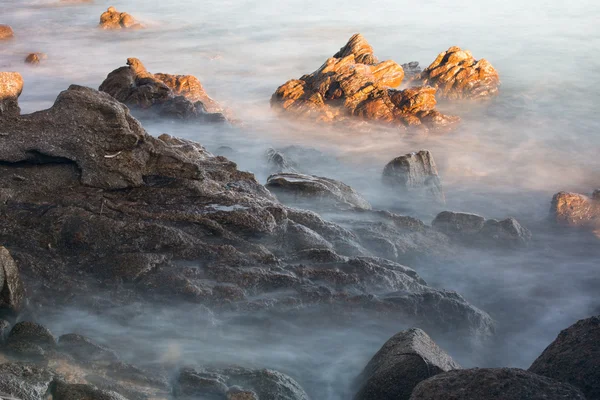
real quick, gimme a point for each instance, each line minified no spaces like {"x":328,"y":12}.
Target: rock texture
{"x":576,"y":210}
{"x":415,"y":173}
{"x":12,"y":293}
{"x":113,"y":19}
{"x":6,"y":32}
{"x":174,"y":96}
{"x":25,"y":381}
{"x":457,"y":75}
{"x":11,"y":86}
{"x":408,"y":358}
{"x":35,"y":58}
{"x":493,"y":384}
{"x":299,"y":188}
{"x":574,"y":357}
{"x":353,"y":83}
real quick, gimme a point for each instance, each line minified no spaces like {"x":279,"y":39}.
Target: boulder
{"x":11,"y":86}
{"x":507,"y":232}
{"x":457,"y":223}
{"x":457,"y":75}
{"x":173,"y":96}
{"x":84,"y":349}
{"x":354,"y":85}
{"x":12,"y":293}
{"x":406,"y":359}
{"x":574,"y":357}
{"x":27,"y":332}
{"x":25,"y":381}
{"x":493,"y":384}
{"x":35,"y":58}
{"x":6,"y":32}
{"x":113,"y":19}
{"x":300,"y":188}
{"x":576,"y":210}
{"x":415,"y":173}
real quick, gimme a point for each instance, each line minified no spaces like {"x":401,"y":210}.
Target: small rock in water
{"x":113,"y":19}
{"x":35,"y":58}
{"x":6,"y":32}
{"x":11,"y":86}
{"x":416,"y":173}
{"x":277,"y":162}
{"x":574,"y":209}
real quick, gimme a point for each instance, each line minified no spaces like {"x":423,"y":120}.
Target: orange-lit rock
{"x":574,"y":209}
{"x":113,"y":19}
{"x":6,"y":32}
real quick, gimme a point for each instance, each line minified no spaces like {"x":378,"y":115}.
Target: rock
{"x":415,"y":173}
{"x":173,"y":96}
{"x":457,"y":75}
{"x":12,"y":294}
{"x":462,"y":224}
{"x":113,"y":19}
{"x":4,"y":330}
{"x":406,"y":359}
{"x":576,"y":210}
{"x":35,"y":58}
{"x":277,"y":162}
{"x":508,"y":232}
{"x":25,"y":381}
{"x":353,"y":84}
{"x":6,"y":32}
{"x":84,"y":349}
{"x":324,"y":191}
{"x":574,"y":357}
{"x":11,"y":86}
{"x":30,"y":332}
{"x":64,"y":391}
{"x":493,"y":384}
{"x":237,"y":383}
{"x":412,"y":71}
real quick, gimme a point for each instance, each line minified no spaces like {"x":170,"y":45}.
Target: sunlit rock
{"x":11,"y":86}
{"x":12,"y":294}
{"x":35,"y":58}
{"x":576,"y":210}
{"x":6,"y":32}
{"x":113,"y":19}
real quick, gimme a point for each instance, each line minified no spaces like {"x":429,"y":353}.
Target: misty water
{"x":507,"y":158}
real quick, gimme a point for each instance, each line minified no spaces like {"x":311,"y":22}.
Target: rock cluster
{"x":173,"y":96}
{"x":113,"y":19}
{"x":353,"y":83}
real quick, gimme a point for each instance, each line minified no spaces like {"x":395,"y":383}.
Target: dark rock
{"x":406,"y":359}
{"x":574,"y":357}
{"x":354,"y":85}
{"x":508,"y":232}
{"x":6,"y":32}
{"x":30,"y":332}
{"x":416,"y":173}
{"x":64,"y":391}
{"x":412,"y":71}
{"x":576,"y":210}
{"x":113,"y":19}
{"x":277,"y":163}
{"x":463,"y":224}
{"x":11,"y":86}
{"x":174,"y":96}
{"x":457,"y":75}
{"x":12,"y":293}
{"x":25,"y":381}
{"x":84,"y":349}
{"x":300,"y":188}
{"x":4,"y":330}
{"x":35,"y":58}
{"x":190,"y":383}
{"x":493,"y":384}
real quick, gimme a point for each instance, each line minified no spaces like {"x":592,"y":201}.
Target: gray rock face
{"x":11,"y":86}
{"x":406,"y":359}
{"x":25,"y":381}
{"x":415,"y":173}
{"x":493,"y":384}
{"x":12,"y":293}
{"x":574,"y":357}
{"x":300,"y":188}
{"x":237,"y":383}
{"x":84,"y":349}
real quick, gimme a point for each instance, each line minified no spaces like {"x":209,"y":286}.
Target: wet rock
{"x":12,"y":293}
{"x":6,"y":32}
{"x":508,"y":232}
{"x":31,"y":332}
{"x":457,"y":75}
{"x":574,"y":357}
{"x":277,"y":162}
{"x":175,"y":96}
{"x":191,"y":383}
{"x":300,"y":188}
{"x":113,"y":19}
{"x":25,"y":381}
{"x":463,"y":224}
{"x":577,"y":210}
{"x":84,"y":349}
{"x":64,"y":391}
{"x":415,"y":173}
{"x":11,"y":86}
{"x":406,"y":359}
{"x":35,"y":58}
{"x":353,"y":84}
{"x":493,"y":384}
{"x":4,"y":330}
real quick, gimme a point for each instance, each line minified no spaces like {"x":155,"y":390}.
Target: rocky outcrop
{"x":415,"y":173}
{"x":576,"y":210}
{"x":6,"y":32}
{"x":12,"y":293}
{"x":408,"y":358}
{"x":25,"y":381}
{"x":493,"y":384}
{"x":457,"y":75}
{"x":11,"y":86}
{"x":113,"y":19}
{"x":299,"y":188}
{"x":574,"y":357}
{"x":174,"y":96}
{"x":35,"y":58}
{"x":354,"y":84}
{"x":474,"y":229}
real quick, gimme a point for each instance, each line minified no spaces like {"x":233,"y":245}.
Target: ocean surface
{"x":510,"y":155}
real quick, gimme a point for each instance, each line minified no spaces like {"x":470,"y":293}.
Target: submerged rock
{"x":353,"y":83}
{"x":12,"y":293}
{"x":493,"y":384}
{"x":300,"y":188}
{"x":457,"y":75}
{"x":11,"y":86}
{"x":6,"y":32}
{"x":113,"y":19}
{"x":574,"y":357}
{"x":173,"y":96}
{"x":406,"y":359}
{"x":415,"y":173}
{"x":35,"y":58}
{"x":577,"y":210}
